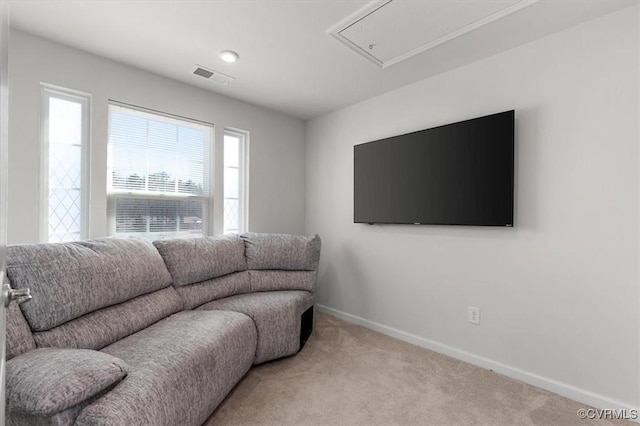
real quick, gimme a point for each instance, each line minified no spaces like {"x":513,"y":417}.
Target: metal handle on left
{"x":19,"y":295}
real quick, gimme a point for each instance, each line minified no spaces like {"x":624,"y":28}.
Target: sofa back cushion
{"x":194,"y":260}
{"x":69,"y":280}
{"x":270,"y":280}
{"x":105,"y":326}
{"x":281,"y":251}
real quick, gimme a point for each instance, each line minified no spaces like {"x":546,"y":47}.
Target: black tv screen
{"x":457,"y":174}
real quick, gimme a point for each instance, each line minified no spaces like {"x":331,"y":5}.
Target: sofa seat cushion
{"x":180,"y":369}
{"x":276,"y":315}
{"x":43,"y":382}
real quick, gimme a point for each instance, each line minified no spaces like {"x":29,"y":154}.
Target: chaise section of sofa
{"x":180,"y":369}
{"x":277,"y":316}
{"x":282,"y":278}
{"x":269,"y":277}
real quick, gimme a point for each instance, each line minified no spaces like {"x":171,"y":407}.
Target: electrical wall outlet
{"x":473,"y":315}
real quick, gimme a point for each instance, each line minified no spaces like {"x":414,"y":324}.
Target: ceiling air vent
{"x":389,"y":31}
{"x":215,"y":76}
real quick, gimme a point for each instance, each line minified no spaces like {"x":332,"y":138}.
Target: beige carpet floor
{"x":349,"y":375}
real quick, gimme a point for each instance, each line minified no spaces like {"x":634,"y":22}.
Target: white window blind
{"x":64,"y":162}
{"x":235,"y":182}
{"x":158,"y":174}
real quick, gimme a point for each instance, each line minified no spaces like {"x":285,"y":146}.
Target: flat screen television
{"x":456,"y":174}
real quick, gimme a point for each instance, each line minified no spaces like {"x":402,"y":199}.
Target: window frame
{"x":48,"y":91}
{"x":243,"y":178}
{"x":112,"y":193}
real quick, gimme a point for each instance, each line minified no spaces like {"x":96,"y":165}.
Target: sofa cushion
{"x":281,"y":251}
{"x":180,"y":369}
{"x":197,"y":294}
{"x":108,"y":325}
{"x":276,"y":316}
{"x":69,"y":280}
{"x":283,"y":280}
{"x":47,"y":381}
{"x":63,"y":418}
{"x":19,"y":337}
{"x":192,"y":260}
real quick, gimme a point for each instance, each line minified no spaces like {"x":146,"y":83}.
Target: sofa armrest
{"x":46,"y":381}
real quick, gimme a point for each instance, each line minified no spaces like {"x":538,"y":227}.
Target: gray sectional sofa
{"x":125,"y":332}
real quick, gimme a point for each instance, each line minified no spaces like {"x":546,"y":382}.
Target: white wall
{"x":559,"y":292}
{"x":276,"y":193}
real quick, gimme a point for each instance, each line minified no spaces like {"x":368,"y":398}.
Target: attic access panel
{"x":389,"y":31}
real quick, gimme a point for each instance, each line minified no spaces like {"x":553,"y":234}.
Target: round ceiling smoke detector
{"x":229,"y":56}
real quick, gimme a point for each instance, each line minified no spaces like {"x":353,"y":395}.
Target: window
{"x":158,"y":174}
{"x":65,"y":177}
{"x":235,"y":181}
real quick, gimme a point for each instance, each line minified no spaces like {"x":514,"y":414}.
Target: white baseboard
{"x":581,"y":395}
